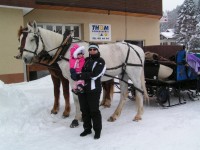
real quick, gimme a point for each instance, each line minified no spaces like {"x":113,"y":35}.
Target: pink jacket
{"x":76,"y":63}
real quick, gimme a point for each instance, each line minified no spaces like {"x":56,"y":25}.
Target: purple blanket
{"x":194,"y":62}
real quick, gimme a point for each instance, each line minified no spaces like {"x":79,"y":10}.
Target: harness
{"x":46,"y":60}
{"x":124,"y":65}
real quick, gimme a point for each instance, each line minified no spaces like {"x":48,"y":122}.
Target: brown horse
{"x":58,"y":78}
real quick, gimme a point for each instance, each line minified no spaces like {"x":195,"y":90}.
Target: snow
{"x":26,"y":123}
{"x":169,"y":33}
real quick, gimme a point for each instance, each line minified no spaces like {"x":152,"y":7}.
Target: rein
{"x":49,"y":67}
{"x":129,"y":84}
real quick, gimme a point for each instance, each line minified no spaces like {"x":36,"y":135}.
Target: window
{"x":60,"y":28}
{"x":49,"y":27}
{"x":173,"y":43}
{"x":139,"y":43}
{"x":76,"y":31}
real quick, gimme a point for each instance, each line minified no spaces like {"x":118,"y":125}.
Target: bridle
{"x":37,"y":37}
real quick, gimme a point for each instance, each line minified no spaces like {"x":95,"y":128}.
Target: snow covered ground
{"x":26,"y":123}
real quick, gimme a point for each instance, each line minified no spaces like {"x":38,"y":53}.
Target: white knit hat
{"x":93,"y":45}
{"x":81,"y":49}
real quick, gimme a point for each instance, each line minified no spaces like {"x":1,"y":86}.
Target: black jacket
{"x":93,"y":67}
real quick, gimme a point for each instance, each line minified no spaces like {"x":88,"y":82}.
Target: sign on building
{"x":100,"y":32}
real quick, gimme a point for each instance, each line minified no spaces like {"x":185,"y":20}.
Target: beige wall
{"x":11,"y":19}
{"x":146,"y":29}
{"x":138,"y":28}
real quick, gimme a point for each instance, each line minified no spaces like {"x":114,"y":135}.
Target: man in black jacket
{"x":92,"y":71}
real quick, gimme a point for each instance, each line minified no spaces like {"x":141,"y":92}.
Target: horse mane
{"x":21,"y":30}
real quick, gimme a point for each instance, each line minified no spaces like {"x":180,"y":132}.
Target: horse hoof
{"x":137,"y":119}
{"x":54,"y":112}
{"x":74,"y":124}
{"x":106,"y":106}
{"x":111,"y":119}
{"x":65,"y":116}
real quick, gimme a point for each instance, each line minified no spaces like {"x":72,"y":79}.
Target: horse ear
{"x":35,"y":28}
{"x":29,"y":27}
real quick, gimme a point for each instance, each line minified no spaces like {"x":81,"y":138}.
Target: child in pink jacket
{"x":76,"y":62}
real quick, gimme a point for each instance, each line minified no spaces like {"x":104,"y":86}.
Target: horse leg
{"x":146,"y":96}
{"x":56,"y":85}
{"x":139,"y":104}
{"x":78,"y":115}
{"x":108,"y":90}
{"x":65,"y":85}
{"x":137,"y":82}
{"x":123,"y":96}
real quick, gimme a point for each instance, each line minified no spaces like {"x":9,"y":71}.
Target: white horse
{"x":113,"y":54}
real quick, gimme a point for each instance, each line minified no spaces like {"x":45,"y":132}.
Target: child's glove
{"x":73,"y":74}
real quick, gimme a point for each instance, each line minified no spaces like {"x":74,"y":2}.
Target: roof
{"x":150,"y":8}
{"x":153,"y":7}
{"x":169,"y":33}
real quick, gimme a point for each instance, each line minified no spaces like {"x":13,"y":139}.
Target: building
{"x":168,"y":37}
{"x":133,"y":20}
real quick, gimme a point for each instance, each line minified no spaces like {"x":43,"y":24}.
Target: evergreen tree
{"x":198,"y":11}
{"x":194,"y":42}
{"x":172,"y":17}
{"x":186,"y":22}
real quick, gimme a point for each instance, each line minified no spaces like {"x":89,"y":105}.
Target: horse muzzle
{"x":27,"y":60}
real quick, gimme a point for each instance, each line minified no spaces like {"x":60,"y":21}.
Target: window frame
{"x":44,"y":25}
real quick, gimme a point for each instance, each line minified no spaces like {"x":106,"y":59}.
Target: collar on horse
{"x":45,"y":57}
{"x":62,"y":50}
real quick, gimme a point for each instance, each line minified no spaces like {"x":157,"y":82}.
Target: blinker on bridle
{"x":36,"y":37}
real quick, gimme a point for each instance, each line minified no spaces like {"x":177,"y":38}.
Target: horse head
{"x":31,"y":43}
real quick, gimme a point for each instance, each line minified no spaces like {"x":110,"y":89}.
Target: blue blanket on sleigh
{"x":184,"y":72}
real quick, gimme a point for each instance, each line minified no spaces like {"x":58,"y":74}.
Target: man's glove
{"x":84,"y":76}
{"x":73,"y":74}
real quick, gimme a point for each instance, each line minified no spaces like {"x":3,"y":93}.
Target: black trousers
{"x":89,"y":104}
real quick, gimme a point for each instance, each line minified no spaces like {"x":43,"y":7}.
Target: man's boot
{"x":97,"y":134}
{"x":86,"y":132}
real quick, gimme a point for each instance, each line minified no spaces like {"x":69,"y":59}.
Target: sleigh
{"x":182,"y":78}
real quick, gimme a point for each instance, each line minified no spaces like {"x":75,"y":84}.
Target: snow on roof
{"x":170,"y":30}
{"x":169,"y":33}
